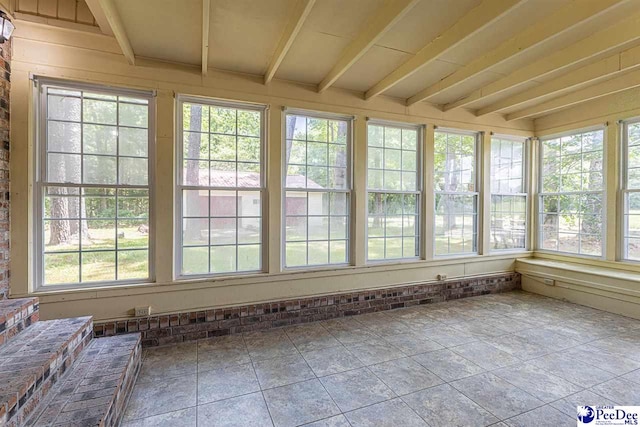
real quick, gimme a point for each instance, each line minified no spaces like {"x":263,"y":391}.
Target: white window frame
{"x":625,"y":191}
{"x":41,"y":84}
{"x":419,"y":192}
{"x":540,"y":194}
{"x":526,"y":181}
{"x":348,"y":191}
{"x":179,"y":187}
{"x":477,"y":193}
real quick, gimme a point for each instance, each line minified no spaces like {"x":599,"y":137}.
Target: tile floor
{"x":514,"y":359}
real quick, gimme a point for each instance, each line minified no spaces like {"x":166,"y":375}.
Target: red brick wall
{"x":5,"y":78}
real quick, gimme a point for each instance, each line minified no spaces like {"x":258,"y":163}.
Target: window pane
{"x":221,"y":154}
{"x":133,"y":142}
{"x":104,"y":231}
{"x":99,"y":169}
{"x":97,"y":111}
{"x":631,"y":224}
{"x":65,"y":108}
{"x":133,"y":264}
{"x":98,"y":266}
{"x":64,"y":168}
{"x":508,"y":202}
{"x":392,"y":222}
{"x":63,"y":137}
{"x":133,"y":171}
{"x":456,"y":224}
{"x":454,"y":162}
{"x":61,"y":268}
{"x":316,"y":153}
{"x":316,"y":222}
{"x":393,"y":168}
{"x":133,"y":115}
{"x":455,"y":199}
{"x":571,"y":214}
{"x":99,"y":139}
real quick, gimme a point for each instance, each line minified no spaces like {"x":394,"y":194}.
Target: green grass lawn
{"x":99,"y":266}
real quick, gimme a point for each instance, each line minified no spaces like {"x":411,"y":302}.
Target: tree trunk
{"x":291,"y":127}
{"x":193,"y":169}
{"x":591,"y":226}
{"x":450,"y":184}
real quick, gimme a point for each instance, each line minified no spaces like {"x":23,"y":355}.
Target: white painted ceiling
{"x":244,"y":35}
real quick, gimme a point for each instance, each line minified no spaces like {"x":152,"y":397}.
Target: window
{"x":92,"y":185}
{"x":456,"y":195}
{"x":571,"y":193}
{"x":631,"y":191}
{"x":221,"y":187}
{"x":317,"y":190}
{"x":393,"y":186}
{"x":508,"y":194}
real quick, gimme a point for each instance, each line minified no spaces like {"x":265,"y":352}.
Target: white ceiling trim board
{"x":615,"y":85}
{"x":206,"y":18}
{"x":606,"y":40}
{"x":567,"y":18}
{"x":376,"y":27}
{"x":294,"y":25}
{"x":593,"y":73}
{"x":110,"y":23}
{"x":475,"y":20}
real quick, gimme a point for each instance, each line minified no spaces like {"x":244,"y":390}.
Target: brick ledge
{"x":192,"y":325}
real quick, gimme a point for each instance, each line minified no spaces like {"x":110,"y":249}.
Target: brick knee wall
{"x":5,"y":86}
{"x":179,"y":327}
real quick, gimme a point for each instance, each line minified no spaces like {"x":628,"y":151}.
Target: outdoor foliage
{"x":317,"y":184}
{"x":571,"y":193}
{"x":95,"y":230}
{"x":455,"y":193}
{"x":393,"y":202}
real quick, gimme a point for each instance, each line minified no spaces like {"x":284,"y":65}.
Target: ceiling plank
{"x":565,"y":19}
{"x":590,"y":74}
{"x":108,"y":19}
{"x":299,"y":14}
{"x":376,"y":27}
{"x":475,"y":20}
{"x":206,"y":9}
{"x":597,"y":44}
{"x":615,"y":85}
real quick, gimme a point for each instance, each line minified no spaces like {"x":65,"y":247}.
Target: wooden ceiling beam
{"x":206,"y":19}
{"x":615,"y":85}
{"x":590,"y":74}
{"x":565,"y":19}
{"x":107,"y":17}
{"x":299,"y":14}
{"x":475,"y":20}
{"x":598,"y":44}
{"x":376,"y":27}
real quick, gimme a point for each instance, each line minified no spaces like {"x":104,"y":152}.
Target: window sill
{"x":602,"y":278}
{"x":630,"y":266}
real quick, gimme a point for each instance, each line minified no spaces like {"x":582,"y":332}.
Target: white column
{"x":484,"y":188}
{"x":274,"y":243}
{"x":612,"y":138}
{"x":428,"y":201}
{"x":359,"y":193}
{"x":164,"y":206}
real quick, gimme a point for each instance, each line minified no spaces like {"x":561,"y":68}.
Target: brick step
{"x":95,"y":390}
{"x":16,"y":315}
{"x":32,"y":362}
